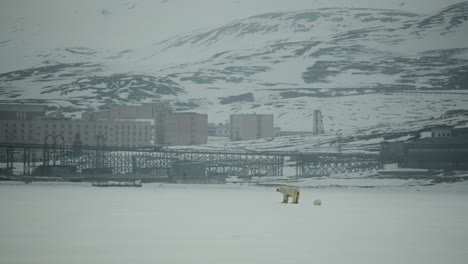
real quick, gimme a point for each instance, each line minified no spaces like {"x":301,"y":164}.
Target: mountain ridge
{"x":286,"y":62}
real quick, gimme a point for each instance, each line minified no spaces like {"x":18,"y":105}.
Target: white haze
{"x":30,"y":25}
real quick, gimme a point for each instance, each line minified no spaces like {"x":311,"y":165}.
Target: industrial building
{"x":450,"y":153}
{"x":440,"y":151}
{"x":392,"y":152}
{"x":251,"y":126}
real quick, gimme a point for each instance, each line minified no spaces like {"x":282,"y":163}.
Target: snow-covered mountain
{"x":288,"y":63}
{"x":326,"y":48}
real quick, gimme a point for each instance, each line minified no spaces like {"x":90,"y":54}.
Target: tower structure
{"x":318,"y":123}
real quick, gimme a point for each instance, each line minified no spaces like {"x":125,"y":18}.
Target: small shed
{"x":188,"y":172}
{"x":441,"y":131}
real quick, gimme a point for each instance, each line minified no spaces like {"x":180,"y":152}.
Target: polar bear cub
{"x":289,"y":192}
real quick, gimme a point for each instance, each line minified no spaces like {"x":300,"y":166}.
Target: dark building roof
{"x":460,"y":131}
{"x":460,"y":140}
{"x":22,"y":108}
{"x":442,"y":126}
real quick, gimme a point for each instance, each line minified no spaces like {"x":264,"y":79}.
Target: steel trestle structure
{"x":158,"y":161}
{"x":322,"y":164}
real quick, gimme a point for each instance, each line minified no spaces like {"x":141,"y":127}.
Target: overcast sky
{"x":120,"y":23}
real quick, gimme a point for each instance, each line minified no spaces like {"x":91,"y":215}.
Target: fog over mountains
{"x":288,"y":63}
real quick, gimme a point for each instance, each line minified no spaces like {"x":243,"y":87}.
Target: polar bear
{"x":289,"y":191}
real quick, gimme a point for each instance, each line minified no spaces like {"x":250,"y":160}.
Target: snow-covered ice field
{"x":165,"y":223}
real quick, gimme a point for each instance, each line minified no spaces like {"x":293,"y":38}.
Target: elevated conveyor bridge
{"x":24,"y":159}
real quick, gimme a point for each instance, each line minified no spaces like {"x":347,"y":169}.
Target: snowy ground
{"x":232,"y":223}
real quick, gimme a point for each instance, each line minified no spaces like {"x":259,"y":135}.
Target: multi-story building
{"x":108,"y":133}
{"x":123,"y":126}
{"x":144,"y":111}
{"x":185,"y":129}
{"x":250,"y":126}
{"x":21,"y":111}
{"x":167,"y":128}
{"x":155,"y":113}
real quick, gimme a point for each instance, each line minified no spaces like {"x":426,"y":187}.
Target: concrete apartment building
{"x":186,"y":129}
{"x":250,"y":126}
{"x":168,"y":128}
{"x":122,"y":126}
{"x":108,"y":133}
{"x":145,"y":111}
